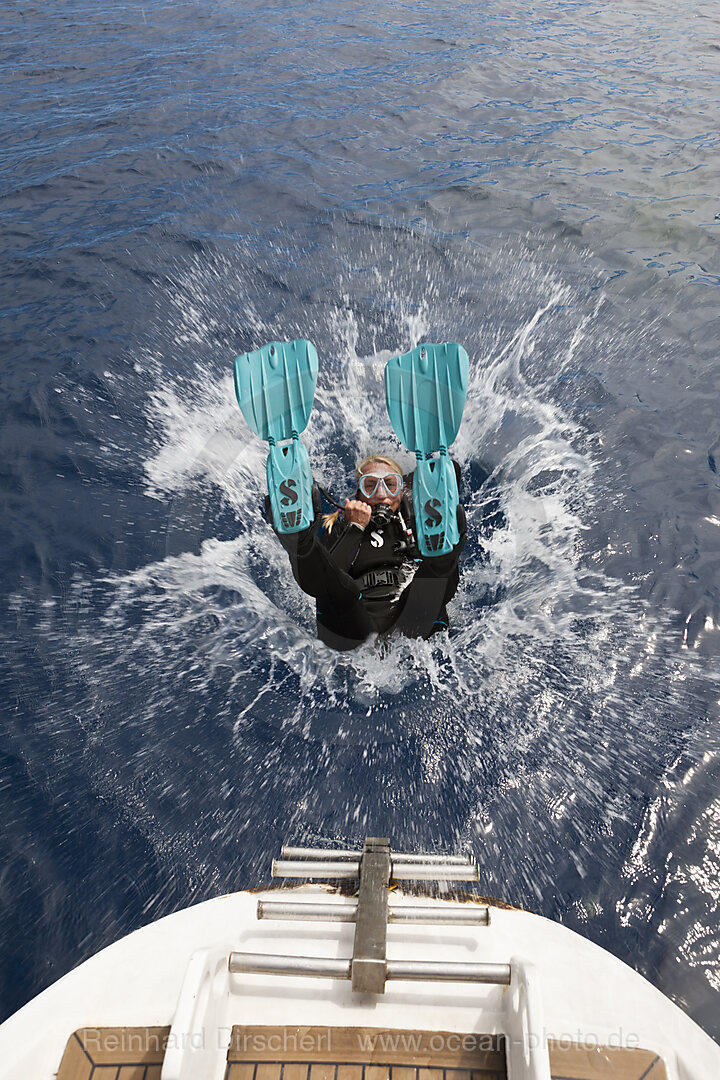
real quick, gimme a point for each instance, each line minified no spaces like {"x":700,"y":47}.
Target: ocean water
{"x":180,"y":182}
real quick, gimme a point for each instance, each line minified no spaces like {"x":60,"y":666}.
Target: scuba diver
{"x":386,"y":560}
{"x":364,"y":568}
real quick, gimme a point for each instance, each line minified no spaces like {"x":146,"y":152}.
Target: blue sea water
{"x":180,"y":182}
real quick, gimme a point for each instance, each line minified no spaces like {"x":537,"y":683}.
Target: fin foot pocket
{"x":290,"y":485}
{"x":436,"y":497}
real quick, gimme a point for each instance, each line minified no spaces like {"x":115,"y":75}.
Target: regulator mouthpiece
{"x":381,"y":516}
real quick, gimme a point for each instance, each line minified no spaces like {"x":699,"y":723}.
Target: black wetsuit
{"x":373,"y":580}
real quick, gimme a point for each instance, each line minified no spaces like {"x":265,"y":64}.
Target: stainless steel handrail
{"x":403,"y":871}
{"x":345,"y":912}
{"x":399,"y":970}
{"x":263,"y":964}
{"x":298,"y":869}
{"x":288,"y":852}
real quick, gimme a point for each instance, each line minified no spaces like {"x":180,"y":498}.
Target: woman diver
{"x":379,"y":563}
{"x":363,"y":566}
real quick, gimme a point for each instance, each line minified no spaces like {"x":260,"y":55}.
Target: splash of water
{"x":529,"y":590}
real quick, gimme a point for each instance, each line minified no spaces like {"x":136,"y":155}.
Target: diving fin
{"x":425,"y":393}
{"x":275,"y":388}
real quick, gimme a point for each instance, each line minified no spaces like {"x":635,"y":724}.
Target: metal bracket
{"x":369,"y":959}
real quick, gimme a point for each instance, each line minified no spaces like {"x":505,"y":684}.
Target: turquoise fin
{"x":275,"y":388}
{"x":425,"y":392}
{"x":290,"y":481}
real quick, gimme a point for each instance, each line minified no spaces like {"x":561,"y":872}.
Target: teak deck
{"x":316,"y":1053}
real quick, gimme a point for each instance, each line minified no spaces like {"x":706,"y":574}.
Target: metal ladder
{"x":375,"y":867}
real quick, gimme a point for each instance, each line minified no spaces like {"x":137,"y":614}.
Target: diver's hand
{"x":358,"y":512}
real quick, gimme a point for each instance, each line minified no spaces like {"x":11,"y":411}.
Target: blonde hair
{"x":329,"y":520}
{"x":381,"y":459}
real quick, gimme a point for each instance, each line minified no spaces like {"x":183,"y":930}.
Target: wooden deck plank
{"x":378,"y":1072}
{"x":125,"y":1046}
{"x":351,"y":1072}
{"x":240,"y":1072}
{"x":573,"y":1062}
{"x":76,"y":1063}
{"x":131,"y":1072}
{"x":268,"y":1071}
{"x":299,"y":1071}
{"x":113,"y":1053}
{"x":401,"y":1072}
{"x":324,"y":1070}
{"x":369,"y":1046}
{"x":430,"y":1074}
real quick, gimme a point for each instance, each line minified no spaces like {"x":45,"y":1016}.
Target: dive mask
{"x":370,"y":483}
